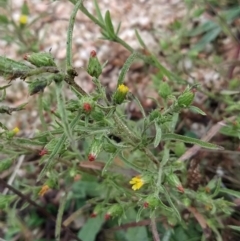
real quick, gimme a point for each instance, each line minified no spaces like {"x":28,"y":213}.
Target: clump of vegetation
{"x":106,"y":167}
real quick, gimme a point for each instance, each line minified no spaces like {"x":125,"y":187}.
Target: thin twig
{"x":70,"y":34}
{"x":33,"y":203}
{"x":210,"y":134}
{"x":154,"y":229}
{"x":17,"y":167}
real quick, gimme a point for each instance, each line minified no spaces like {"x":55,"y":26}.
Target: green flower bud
{"x":186,"y":98}
{"x":186,"y":202}
{"x":95,"y":149}
{"x":172,"y":220}
{"x":37,"y":86}
{"x":97,"y":115}
{"x":151,"y":202}
{"x":154,"y":115}
{"x":72,"y":172}
{"x":12,"y":133}
{"x":164,"y":90}
{"x":120,"y":94}
{"x":11,"y":69}
{"x":94,"y":67}
{"x":87,"y":105}
{"x":97,"y":210}
{"x":5,"y":164}
{"x":179,"y":149}
{"x":115,"y":210}
{"x":52,"y":183}
{"x":174,"y":181}
{"x":40,"y":59}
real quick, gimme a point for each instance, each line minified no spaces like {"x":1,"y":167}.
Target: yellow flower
{"x":137,"y":182}
{"x":123,"y":89}
{"x":15,"y":130}
{"x":43,"y":190}
{"x":23,"y":19}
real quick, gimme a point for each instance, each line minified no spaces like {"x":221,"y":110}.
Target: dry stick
{"x":154,"y":229}
{"x":30,"y":201}
{"x":14,"y":174}
{"x":74,"y":215}
{"x":210,"y":134}
{"x":232,"y":67}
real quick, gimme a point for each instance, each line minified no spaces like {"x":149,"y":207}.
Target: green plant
{"x":19,"y":32}
{"x":152,"y":180}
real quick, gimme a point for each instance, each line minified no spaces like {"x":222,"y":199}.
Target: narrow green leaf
{"x":118,"y":28}
{"x":98,"y":11}
{"x":109,"y":25}
{"x":126,"y":67}
{"x":197,"y":110}
{"x":172,"y":204}
{"x":28,"y":142}
{"x":139,"y":105}
{"x":207,"y":38}
{"x":207,"y":26}
{"x":236,"y":228}
{"x":59,"y":217}
{"x":165,"y":158}
{"x":108,"y":163}
{"x":140,"y":39}
{"x":186,"y":139}
{"x":58,"y":147}
{"x":230,"y":192}
{"x":217,"y":189}
{"x":158,"y":135}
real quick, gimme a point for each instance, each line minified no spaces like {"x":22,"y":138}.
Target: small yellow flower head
{"x":123,"y":89}
{"x":43,"y":190}
{"x":120,"y":94}
{"x":15,"y":130}
{"x":137,"y":182}
{"x":23,"y":19}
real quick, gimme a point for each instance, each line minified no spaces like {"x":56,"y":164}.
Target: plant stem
{"x":70,"y":34}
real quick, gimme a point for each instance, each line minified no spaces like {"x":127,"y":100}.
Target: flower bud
{"x":23,"y":19}
{"x":186,"y":98}
{"x":94,"y":67}
{"x":97,"y":115}
{"x":49,"y":184}
{"x":97,"y":210}
{"x":151,"y":202}
{"x":174,"y":181}
{"x":120,"y":94}
{"x":115,"y":210}
{"x":11,"y":69}
{"x":164,"y":90}
{"x":87,"y":105}
{"x":179,"y":149}
{"x":5,"y":164}
{"x":40,"y":59}
{"x":186,"y":202}
{"x":72,"y":172}
{"x":172,"y":220}
{"x":95,"y":149}
{"x":12,"y":133}
{"x":43,"y":152}
{"x":37,"y":86}
{"x":155,"y":114}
